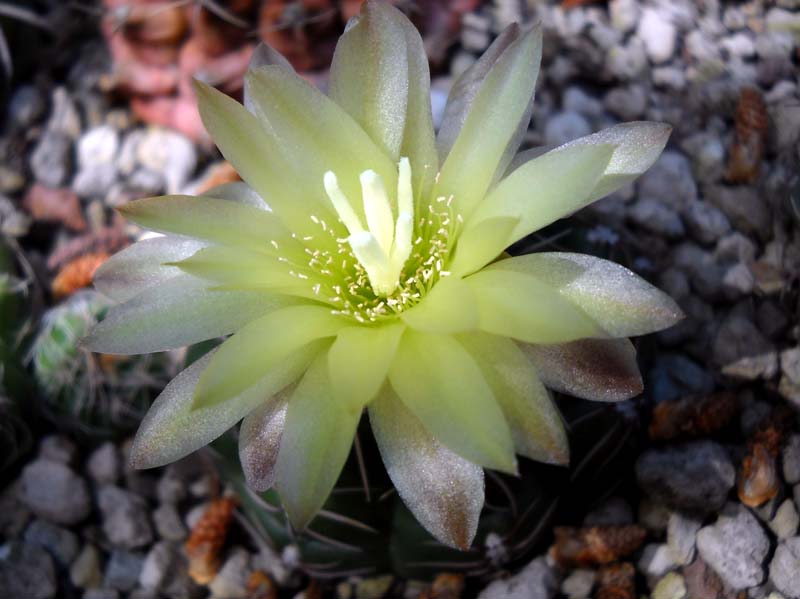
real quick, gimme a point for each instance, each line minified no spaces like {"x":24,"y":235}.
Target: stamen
{"x":377,"y":209}
{"x":341,"y":203}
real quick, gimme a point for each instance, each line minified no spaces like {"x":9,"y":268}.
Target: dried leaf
{"x":758,"y":479}
{"x":617,"y":581}
{"x":752,"y":123}
{"x":217,"y":174}
{"x":107,"y":240}
{"x":204,"y":546}
{"x":595,"y":545}
{"x":260,"y":586}
{"x":48,"y":204}
{"x":692,"y":417}
{"x":77,"y":274}
{"x":445,"y":586}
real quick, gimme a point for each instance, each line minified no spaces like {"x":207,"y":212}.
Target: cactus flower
{"x":360,"y":266}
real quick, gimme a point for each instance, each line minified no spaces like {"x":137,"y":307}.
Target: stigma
{"x":383,"y":246}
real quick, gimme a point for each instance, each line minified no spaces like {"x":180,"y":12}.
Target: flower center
{"x":384,"y":245}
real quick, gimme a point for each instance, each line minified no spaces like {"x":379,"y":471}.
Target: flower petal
{"x":316,"y":441}
{"x":380,"y":76}
{"x":596,"y":369}
{"x":622,"y":303}
{"x":258,"y":157}
{"x":237,"y":267}
{"x":522,"y":307}
{"x":637,"y":145}
{"x":536,"y":425}
{"x":541,"y":191}
{"x":448,"y":308}
{"x":260,"y":440}
{"x":478,"y":245}
{"x":178,"y":312}
{"x":172,"y":428}
{"x":359,"y":361}
{"x":465,"y":89}
{"x":492,"y":122}
{"x":316,"y":136}
{"x":226,"y":223}
{"x":242,"y":359}
{"x":238,"y":191}
{"x":443,"y":490}
{"x":263,"y":56}
{"x":142,"y":265}
{"x":438,"y":380}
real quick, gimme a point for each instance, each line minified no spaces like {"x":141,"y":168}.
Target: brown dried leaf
{"x":752,"y":123}
{"x":617,"y":581}
{"x":204,"y":546}
{"x":260,"y":586}
{"x":758,"y":479}
{"x":48,"y":204}
{"x":218,"y":173}
{"x":445,"y":586}
{"x":77,"y":274}
{"x":596,"y":545}
{"x":692,"y":417}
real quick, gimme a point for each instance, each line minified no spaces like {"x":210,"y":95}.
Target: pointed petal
{"x":316,"y":441}
{"x":260,"y":440}
{"x":263,"y":56}
{"x":172,"y":429}
{"x":142,"y":265}
{"x":259,"y":158}
{"x":226,"y":223}
{"x":448,"y":308}
{"x":522,"y":307}
{"x":535,"y":423}
{"x":316,"y":135}
{"x":369,"y":75}
{"x":437,"y":379}
{"x":238,"y":191}
{"x":478,"y":245}
{"x":466,"y":87}
{"x":492,"y":122}
{"x":622,"y":303}
{"x":237,"y":267}
{"x":637,"y":146}
{"x":443,"y":490}
{"x":596,"y":369}
{"x":178,"y":312}
{"x":543,"y":190}
{"x":242,"y":359}
{"x":359,"y":361}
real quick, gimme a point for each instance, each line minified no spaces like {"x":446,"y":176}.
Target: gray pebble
{"x":51,"y":159}
{"x":738,"y":337}
{"x":168,"y":153}
{"x":59,"y":542}
{"x":64,"y":117}
{"x":27,"y":572}
{"x":125,"y":517}
{"x":101,"y":594}
{"x":791,"y":459}
{"x":744,"y":206}
{"x":537,"y":580}
{"x":624,"y":14}
{"x":735,"y":547}
{"x":656,"y":217}
{"x":681,"y":536}
{"x":670,"y":180}
{"x":784,"y":569}
{"x":658,"y":33}
{"x":708,"y":156}
{"x":168,"y":523}
{"x":786,"y":520}
{"x":58,"y":449}
{"x":105,"y":463}
{"x":85,"y":571}
{"x":578,"y":584}
{"x":705,"y":222}
{"x":737,"y":281}
{"x":627,"y":103}
{"x":123,"y":570}
{"x":672,"y":78}
{"x":231,"y":580}
{"x":577,"y":100}
{"x":656,"y":560}
{"x":695,"y":476}
{"x":94,"y":181}
{"x":26,"y":106}
{"x":565,"y":126}
{"x":627,"y":62}
{"x":672,"y":586}
{"x":171,"y":488}
{"x":54,"y":492}
{"x":98,"y":145}
{"x":159,"y":566}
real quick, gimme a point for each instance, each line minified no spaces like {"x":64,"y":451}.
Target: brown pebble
{"x":596,"y":545}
